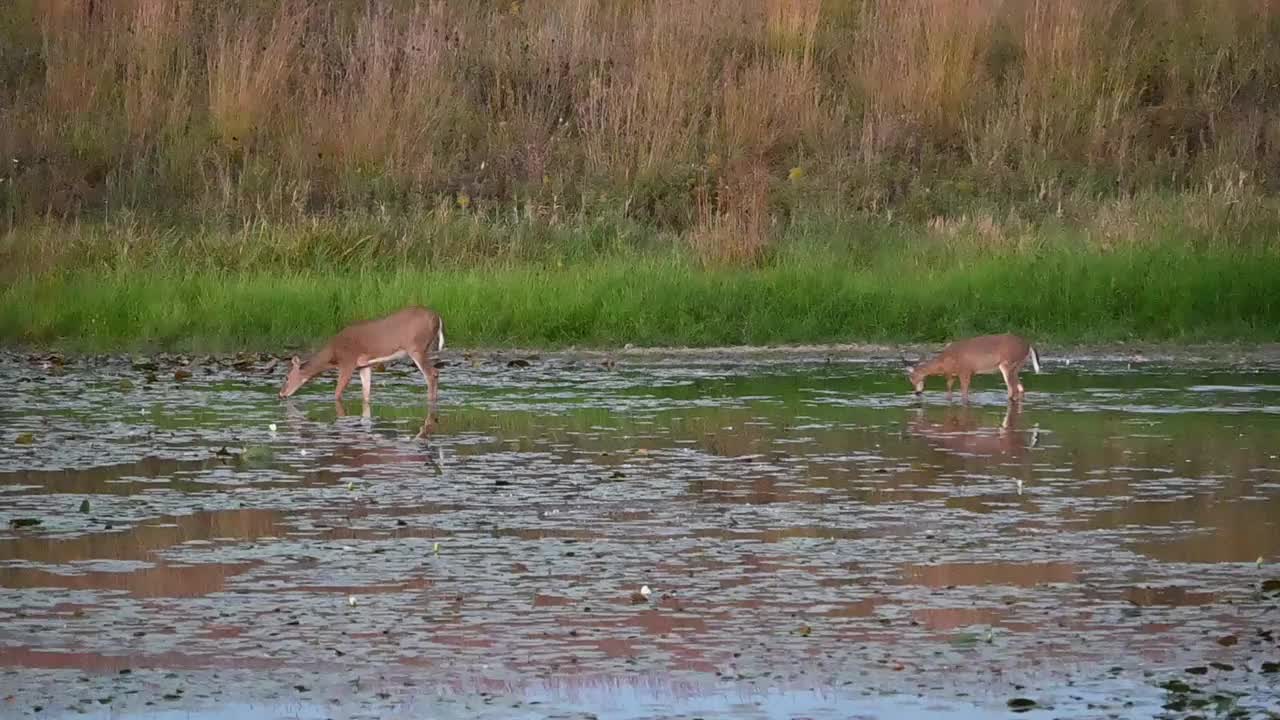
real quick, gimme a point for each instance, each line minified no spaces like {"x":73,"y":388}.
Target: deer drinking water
{"x":987,"y":353}
{"x":414,"y":331}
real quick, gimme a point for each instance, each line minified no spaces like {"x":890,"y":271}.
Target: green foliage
{"x":884,"y":290}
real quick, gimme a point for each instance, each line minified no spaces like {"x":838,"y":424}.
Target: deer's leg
{"x":429,"y":373}
{"x":344,"y":378}
{"x":434,"y":382}
{"x":965,"y":377}
{"x":420,"y":359}
{"x":428,"y":427}
{"x":1018,"y":368}
{"x":1009,"y":379}
{"x":366,"y":382}
{"x":951,"y":379}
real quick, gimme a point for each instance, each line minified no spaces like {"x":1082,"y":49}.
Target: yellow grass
{"x":696,"y":117}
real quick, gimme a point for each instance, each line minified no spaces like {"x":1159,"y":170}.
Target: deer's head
{"x":295,"y":379}
{"x":915,"y":374}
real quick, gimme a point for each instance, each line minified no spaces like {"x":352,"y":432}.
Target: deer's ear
{"x":297,"y":362}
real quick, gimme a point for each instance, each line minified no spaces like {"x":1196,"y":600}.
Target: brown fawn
{"x":987,"y":353}
{"x":414,"y":331}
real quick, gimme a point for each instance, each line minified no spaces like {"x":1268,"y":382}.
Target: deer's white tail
{"x":440,"y":338}
{"x":1035,"y":360}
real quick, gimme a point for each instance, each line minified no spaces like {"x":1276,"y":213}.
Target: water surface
{"x":818,"y":542}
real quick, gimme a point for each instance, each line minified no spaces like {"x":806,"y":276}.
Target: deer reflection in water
{"x":963,"y":432}
{"x":365,"y":454}
{"x":296,"y":419}
{"x":970,"y":445}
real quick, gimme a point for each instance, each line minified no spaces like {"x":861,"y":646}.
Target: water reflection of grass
{"x":1076,"y":443}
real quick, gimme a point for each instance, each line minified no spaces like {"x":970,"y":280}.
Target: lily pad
{"x":25,"y":438}
{"x":1176,"y":686}
{"x":24,"y":522}
{"x":1021,"y":705}
{"x":257,"y":454}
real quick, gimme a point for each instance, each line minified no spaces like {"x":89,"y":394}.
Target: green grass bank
{"x":886,"y":287}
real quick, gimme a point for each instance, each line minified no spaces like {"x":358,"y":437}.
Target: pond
{"x":175,"y":541}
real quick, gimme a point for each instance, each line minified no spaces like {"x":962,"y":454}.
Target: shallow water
{"x":819,"y":543}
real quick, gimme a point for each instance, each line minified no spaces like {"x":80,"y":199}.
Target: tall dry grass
{"x":922,"y":64}
{"x":717,"y":119}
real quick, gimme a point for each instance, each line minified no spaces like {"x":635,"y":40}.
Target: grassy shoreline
{"x":249,"y":175}
{"x":1160,"y":293}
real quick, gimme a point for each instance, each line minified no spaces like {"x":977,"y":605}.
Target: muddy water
{"x":818,"y":543}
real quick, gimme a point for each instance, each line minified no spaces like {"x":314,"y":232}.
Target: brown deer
{"x":964,"y":358}
{"x":414,"y":331}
